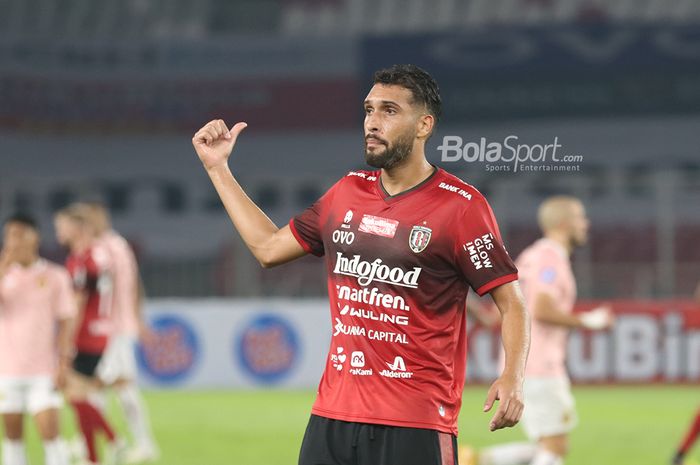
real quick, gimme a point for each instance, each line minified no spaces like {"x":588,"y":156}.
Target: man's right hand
{"x":598,"y":319}
{"x":214,"y":142}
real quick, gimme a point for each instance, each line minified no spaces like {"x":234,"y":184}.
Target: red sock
{"x":101,"y":422}
{"x":87,"y":426}
{"x":691,"y":436}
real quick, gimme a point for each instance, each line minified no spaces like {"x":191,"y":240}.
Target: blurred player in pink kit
{"x":117,"y":369}
{"x":36,"y":298}
{"x":549,"y":288}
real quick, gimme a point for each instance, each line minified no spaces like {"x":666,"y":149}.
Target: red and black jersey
{"x":399,"y":268}
{"x":91,"y":274}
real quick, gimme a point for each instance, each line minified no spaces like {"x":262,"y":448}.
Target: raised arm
{"x":515,"y":331}
{"x":269,"y":244}
{"x":546,"y":310}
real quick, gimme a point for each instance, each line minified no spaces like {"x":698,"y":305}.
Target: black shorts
{"x":86,"y":364}
{"x":335,"y":442}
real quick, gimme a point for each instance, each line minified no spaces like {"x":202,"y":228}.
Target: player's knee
{"x":48,"y":431}
{"x":47,"y":424}
{"x":558,"y":445}
{"x":562,"y":447}
{"x":13,"y":427}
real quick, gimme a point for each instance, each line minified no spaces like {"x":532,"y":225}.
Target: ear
{"x":425,"y":126}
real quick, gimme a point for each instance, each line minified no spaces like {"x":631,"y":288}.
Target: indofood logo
{"x":367,"y":272}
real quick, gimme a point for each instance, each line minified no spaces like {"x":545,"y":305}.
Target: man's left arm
{"x":515,"y":332}
{"x":66,"y":313}
{"x":66,"y":348}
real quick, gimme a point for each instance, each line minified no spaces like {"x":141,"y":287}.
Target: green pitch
{"x":618,"y":425}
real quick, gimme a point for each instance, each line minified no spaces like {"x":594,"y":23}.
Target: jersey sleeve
{"x":481,"y":256}
{"x":125,"y":270}
{"x":541,"y":274}
{"x":307,"y":226}
{"x":65,"y":305}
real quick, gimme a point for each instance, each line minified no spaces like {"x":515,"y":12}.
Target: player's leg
{"x":12,"y":405}
{"x":552,"y":450}
{"x":688,"y":440}
{"x":76,"y":393}
{"x":55,"y":452}
{"x":549,"y":417}
{"x":44,"y":402}
{"x":328,"y":442}
{"x":390,"y":445}
{"x":137,"y":417}
{"x":536,"y":418}
{"x":118,"y":370}
{"x":513,"y":453}
{"x":13,"y":452}
{"x":81,"y":383}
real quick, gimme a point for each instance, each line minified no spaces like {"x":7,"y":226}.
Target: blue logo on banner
{"x":268,"y":347}
{"x":169,"y":355}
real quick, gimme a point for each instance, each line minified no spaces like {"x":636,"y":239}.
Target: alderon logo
{"x":396,"y":369}
{"x":367,"y":272}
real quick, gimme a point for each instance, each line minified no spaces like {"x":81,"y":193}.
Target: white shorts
{"x":119,"y":360}
{"x":550,"y":409}
{"x":32,"y":395}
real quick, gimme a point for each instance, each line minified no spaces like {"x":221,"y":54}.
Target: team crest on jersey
{"x":419,"y":238}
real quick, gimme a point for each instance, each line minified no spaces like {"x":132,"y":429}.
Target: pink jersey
{"x":544,"y":267}
{"x":32,"y":300}
{"x":126,"y":283}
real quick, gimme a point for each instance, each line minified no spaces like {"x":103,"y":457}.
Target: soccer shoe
{"x":468,"y":455}
{"x":141,"y":454}
{"x":115,"y":452}
{"x":77,"y":452}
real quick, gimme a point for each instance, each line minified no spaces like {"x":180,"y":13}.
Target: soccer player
{"x":117,"y":368}
{"x":402,"y":245}
{"x":550,"y":292}
{"x":690,"y":437}
{"x":36,"y":313}
{"x":90,"y":268}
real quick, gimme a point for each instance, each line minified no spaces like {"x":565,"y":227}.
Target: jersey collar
{"x":408,"y":192}
{"x":560,"y":249}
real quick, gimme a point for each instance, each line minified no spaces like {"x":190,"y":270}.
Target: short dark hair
{"x":421,"y":84}
{"x":24,"y":219}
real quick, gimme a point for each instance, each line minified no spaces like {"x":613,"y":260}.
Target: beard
{"x":393,"y":154}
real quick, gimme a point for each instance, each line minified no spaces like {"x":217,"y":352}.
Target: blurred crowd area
{"x":187,"y":19}
{"x":99,"y":99}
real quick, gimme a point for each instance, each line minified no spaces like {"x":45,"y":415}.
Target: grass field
{"x":618,"y":425}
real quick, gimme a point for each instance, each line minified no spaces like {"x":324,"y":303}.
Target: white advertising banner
{"x":231,"y":343}
{"x":212,"y":343}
